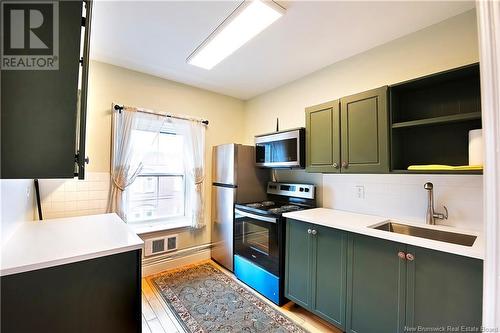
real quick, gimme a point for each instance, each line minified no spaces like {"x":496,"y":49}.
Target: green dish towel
{"x":439,"y":167}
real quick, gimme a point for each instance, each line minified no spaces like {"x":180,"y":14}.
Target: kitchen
{"x":129,"y":70}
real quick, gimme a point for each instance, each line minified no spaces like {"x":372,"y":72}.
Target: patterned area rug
{"x":204,"y":299}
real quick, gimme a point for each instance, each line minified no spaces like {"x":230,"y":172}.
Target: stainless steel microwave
{"x":284,"y":149}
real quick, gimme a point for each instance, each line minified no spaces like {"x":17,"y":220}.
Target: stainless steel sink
{"x":439,"y":235}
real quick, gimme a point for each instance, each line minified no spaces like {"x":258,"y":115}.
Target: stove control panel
{"x":305,"y":191}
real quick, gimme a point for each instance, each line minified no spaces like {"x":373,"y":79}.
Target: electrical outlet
{"x":359,"y":191}
{"x":28,"y":192}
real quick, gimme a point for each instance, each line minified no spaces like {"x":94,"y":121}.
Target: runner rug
{"x":204,"y":299}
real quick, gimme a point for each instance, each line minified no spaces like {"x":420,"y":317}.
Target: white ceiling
{"x":157,"y":37}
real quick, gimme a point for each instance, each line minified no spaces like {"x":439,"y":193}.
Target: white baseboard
{"x":170,"y":263}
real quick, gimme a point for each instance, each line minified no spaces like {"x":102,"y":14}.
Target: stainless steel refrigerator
{"x":235,"y":179}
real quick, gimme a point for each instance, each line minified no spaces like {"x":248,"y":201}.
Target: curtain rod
{"x":119,"y":108}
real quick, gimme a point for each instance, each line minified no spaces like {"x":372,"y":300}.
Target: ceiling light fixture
{"x":244,"y":23}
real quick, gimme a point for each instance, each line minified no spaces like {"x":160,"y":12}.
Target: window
{"x":158,"y":192}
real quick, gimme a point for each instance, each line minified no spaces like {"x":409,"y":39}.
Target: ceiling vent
{"x":160,"y":245}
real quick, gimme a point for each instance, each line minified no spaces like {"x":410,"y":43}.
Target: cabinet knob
{"x":86,"y":160}
{"x":402,"y":255}
{"x":336,"y":165}
{"x":345,"y":164}
{"x":410,"y":257}
{"x":309,"y":231}
{"x":314,"y":232}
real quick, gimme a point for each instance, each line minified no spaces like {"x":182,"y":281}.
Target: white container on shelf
{"x":476,"y":147}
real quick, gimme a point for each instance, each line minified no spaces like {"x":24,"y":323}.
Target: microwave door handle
{"x":255,"y":216}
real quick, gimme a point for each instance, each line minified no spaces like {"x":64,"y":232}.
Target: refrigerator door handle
{"x":255,"y":216}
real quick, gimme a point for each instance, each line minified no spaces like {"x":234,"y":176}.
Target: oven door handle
{"x":256,"y":217}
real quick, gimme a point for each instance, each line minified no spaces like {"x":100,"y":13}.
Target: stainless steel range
{"x":259,"y":237}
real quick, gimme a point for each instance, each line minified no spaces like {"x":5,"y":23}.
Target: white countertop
{"x":360,"y":223}
{"x":41,"y":244}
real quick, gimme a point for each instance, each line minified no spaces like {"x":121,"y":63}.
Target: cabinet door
{"x":329,"y":274}
{"x":376,"y":279}
{"x":99,"y":295}
{"x":39,"y":109}
{"x":364,"y":132}
{"x":443,"y":289}
{"x":323,"y":138}
{"x":298,"y":262}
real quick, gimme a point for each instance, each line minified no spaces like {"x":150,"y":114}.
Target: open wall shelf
{"x":431,"y":118}
{"x":439,"y":120}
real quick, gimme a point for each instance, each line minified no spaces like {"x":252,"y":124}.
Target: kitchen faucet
{"x":431,"y":214}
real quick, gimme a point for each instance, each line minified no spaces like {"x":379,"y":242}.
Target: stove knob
{"x":309,"y":231}
{"x":306,"y":189}
{"x":301,"y":189}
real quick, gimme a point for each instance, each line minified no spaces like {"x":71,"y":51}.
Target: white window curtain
{"x":194,"y":161}
{"x":127,"y":152}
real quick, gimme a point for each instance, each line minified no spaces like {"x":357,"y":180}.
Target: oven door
{"x":256,"y":238}
{"x":280,"y":150}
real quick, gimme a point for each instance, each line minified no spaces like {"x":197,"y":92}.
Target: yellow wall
{"x":446,"y":45}
{"x":108,"y":83}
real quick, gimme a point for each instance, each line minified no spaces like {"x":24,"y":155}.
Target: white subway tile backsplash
{"x":82,"y":204}
{"x":95,"y":195}
{"x":58,"y":195}
{"x":69,"y":206}
{"x":56,"y":206}
{"x":71,"y":197}
{"x":403,"y":196}
{"x":82,"y":195}
{"x":70,"y":186}
{"x":82,"y":186}
{"x":98,"y":185}
{"x":93,"y":204}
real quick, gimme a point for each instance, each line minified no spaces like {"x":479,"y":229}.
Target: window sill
{"x":147,"y":227}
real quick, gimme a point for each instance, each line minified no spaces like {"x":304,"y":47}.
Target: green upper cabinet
{"x":364,"y":132}
{"x":349,"y":135}
{"x":443,"y":289}
{"x":43,"y":111}
{"x":323,"y":137}
{"x":316,"y":262}
{"x":376,"y":282}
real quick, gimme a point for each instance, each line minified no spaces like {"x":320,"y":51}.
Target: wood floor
{"x":157,"y":317}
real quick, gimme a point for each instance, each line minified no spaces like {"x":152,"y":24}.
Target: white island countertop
{"x":361,"y":224}
{"x":41,"y":244}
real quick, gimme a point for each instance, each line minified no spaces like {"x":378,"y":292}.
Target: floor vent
{"x":160,"y":245}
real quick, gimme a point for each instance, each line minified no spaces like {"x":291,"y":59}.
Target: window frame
{"x":165,"y":219}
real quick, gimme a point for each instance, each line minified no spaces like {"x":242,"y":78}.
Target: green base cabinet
{"x":298,"y":263}
{"x":329,"y":274}
{"x":443,"y":289}
{"x":350,"y":135}
{"x":315,"y":269}
{"x":376,"y":284}
{"x":424,"y":288}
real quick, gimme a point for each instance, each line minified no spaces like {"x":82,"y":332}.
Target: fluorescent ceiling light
{"x":246,"y":22}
